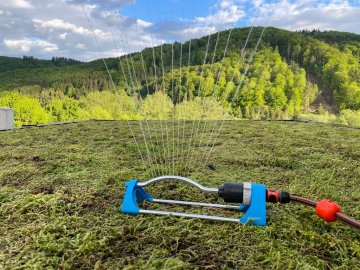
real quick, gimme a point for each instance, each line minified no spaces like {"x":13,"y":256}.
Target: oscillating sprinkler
{"x":251,"y":199}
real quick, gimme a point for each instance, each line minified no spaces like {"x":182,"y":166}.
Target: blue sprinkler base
{"x":254,"y":214}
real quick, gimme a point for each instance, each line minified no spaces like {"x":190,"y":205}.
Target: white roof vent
{"x":6,"y":119}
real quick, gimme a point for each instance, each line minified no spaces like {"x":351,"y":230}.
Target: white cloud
{"x":143,"y":23}
{"x":63,"y":36}
{"x":62,"y":25}
{"x":25,"y":45}
{"x":80,"y":46}
{"x":257,"y":3}
{"x":225,"y":12}
{"x":107,"y":3}
{"x":65,"y":24}
{"x":91,"y":55}
{"x":198,"y":31}
{"x":4,"y":12}
{"x":309,"y":14}
{"x":15,"y":4}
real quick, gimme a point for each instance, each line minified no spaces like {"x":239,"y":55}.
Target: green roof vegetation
{"x":61,"y":187}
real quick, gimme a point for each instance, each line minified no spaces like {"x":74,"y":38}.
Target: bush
{"x":108,"y":105}
{"x":324,"y":118}
{"x":66,"y":109}
{"x":263,"y":112}
{"x":346,"y":117}
{"x":156,"y":107}
{"x":27,"y":110}
{"x":201,"y":108}
{"x":349,"y":117}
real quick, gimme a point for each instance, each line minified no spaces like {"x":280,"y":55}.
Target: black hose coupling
{"x":276,"y":196}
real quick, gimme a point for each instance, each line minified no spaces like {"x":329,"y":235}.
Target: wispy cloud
{"x":310,"y":14}
{"x":57,"y":24}
{"x":25,"y":45}
{"x":15,"y":4}
{"x":105,"y":3}
{"x":60,"y":28}
{"x":224,"y":12}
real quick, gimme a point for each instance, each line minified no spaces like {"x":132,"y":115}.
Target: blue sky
{"x":91,"y":29}
{"x":155,"y":10}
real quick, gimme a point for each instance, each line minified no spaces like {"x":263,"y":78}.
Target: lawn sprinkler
{"x":250,"y":198}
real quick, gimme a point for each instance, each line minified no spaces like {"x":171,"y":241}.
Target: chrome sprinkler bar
{"x":179,"y":179}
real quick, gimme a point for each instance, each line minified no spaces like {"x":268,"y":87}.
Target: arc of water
{"x":166,"y":150}
{"x":158,"y":158}
{"x":147,"y":141}
{"x":237,"y":89}
{"x":192,"y":141}
{"x":97,"y":42}
{"x":206,"y":53}
{"x":215,"y":85}
{"x":218,"y":74}
{"x":179,"y":158}
{"x":173,"y":101}
{"x":154,"y":126}
{"x":119,"y":57}
{"x":168,"y":154}
{"x":199,"y":120}
{"x":184,"y":160}
{"x":141,"y":54}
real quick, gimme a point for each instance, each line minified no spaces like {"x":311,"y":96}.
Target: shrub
{"x":27,"y":109}
{"x":66,"y":109}
{"x":108,"y":105}
{"x":324,"y":118}
{"x":201,"y":108}
{"x":349,"y":117}
{"x":157,"y":106}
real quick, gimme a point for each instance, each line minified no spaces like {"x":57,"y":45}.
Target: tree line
{"x":292,"y":73}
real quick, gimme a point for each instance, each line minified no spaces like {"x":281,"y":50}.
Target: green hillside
{"x":29,"y":62}
{"x":292,"y":74}
{"x":61,"y":187}
{"x":12,"y":63}
{"x":28,"y":71}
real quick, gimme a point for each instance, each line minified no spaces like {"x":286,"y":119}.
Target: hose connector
{"x":327,"y":210}
{"x":277,"y":196}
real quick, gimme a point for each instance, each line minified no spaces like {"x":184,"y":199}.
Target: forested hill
{"x":292,"y":72}
{"x":335,"y":37}
{"x":13,"y":63}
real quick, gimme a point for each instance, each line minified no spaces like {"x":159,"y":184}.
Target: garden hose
{"x":325,"y":209}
